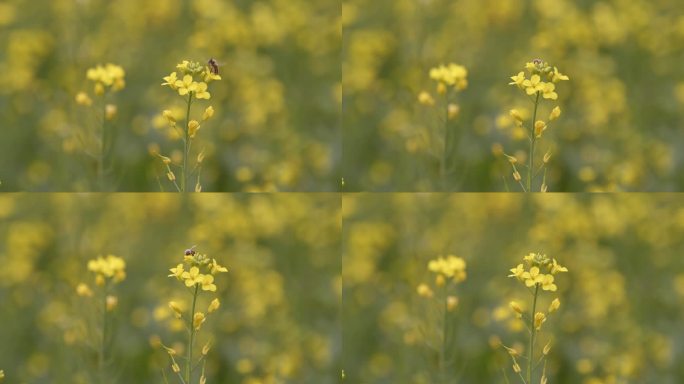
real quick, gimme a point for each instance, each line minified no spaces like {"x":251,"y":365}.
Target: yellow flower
{"x":452,"y":74}
{"x":426,"y":99}
{"x":108,"y":267}
{"x":424,"y":291}
{"x":192,"y":277}
{"x":201,"y":91}
{"x":516,"y":307}
{"x":183,"y":66}
{"x":452,"y":303}
{"x":210,"y":76}
{"x":207,"y":282}
{"x":533,"y":277}
{"x":83,"y":290}
{"x":111,"y":302}
{"x":533,"y":85}
{"x":215,"y":267}
{"x":518,"y":80}
{"x":171,"y":80}
{"x":110,"y":111}
{"x":539,"y":319}
{"x":453,"y":111}
{"x":555,"y":304}
{"x":539,"y":127}
{"x":555,"y":267}
{"x":82,"y":98}
{"x":555,"y":113}
{"x":516,"y":115}
{"x":451,"y":266}
{"x":179,"y":270}
{"x":197,"y":320}
{"x":193,"y":127}
{"x":208,"y":113}
{"x":178,"y":312}
{"x":186,"y":85}
{"x":214,"y":305}
{"x":517,"y":271}
{"x":547,"y":283}
{"x":557,"y":76}
{"x":548,"y":91}
{"x":2,"y":374}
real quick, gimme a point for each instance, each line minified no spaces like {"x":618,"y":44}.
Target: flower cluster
{"x":541,"y":85}
{"x":534,"y":277}
{"x":108,"y":268}
{"x":191,"y":80}
{"x":197,"y":272}
{"x":448,"y":269}
{"x":537,"y":271}
{"x":193,"y":276}
{"x":109,"y":76}
{"x":452,"y":75}
{"x":194,"y":81}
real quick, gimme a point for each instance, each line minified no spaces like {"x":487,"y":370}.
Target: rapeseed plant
{"x":540,"y":86}
{"x":451,"y":78}
{"x":109,"y":78}
{"x":538,"y":277}
{"x":192,"y":85}
{"x":197,"y":273}
{"x":109,"y":271}
{"x":449,"y":270}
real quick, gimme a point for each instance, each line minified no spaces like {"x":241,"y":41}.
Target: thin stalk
{"x":442,"y":164}
{"x":103,"y":147}
{"x":533,"y":140}
{"x":103,"y":345}
{"x":442,"y":355}
{"x":188,"y":363}
{"x":533,"y":333}
{"x":186,"y":149}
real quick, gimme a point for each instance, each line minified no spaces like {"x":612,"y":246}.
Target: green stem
{"x":533,"y":140}
{"x":103,"y":146}
{"x":188,"y":363}
{"x":103,"y":346}
{"x":186,"y":149}
{"x":445,"y":324}
{"x":442,"y":165}
{"x":533,"y":333}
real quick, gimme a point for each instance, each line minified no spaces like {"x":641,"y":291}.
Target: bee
{"x":190,"y":251}
{"x":213,"y":66}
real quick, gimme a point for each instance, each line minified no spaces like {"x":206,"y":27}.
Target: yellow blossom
{"x":214,"y":266}
{"x":207,"y":282}
{"x":186,"y":85}
{"x":539,"y":319}
{"x":450,"y":266}
{"x":539,"y":127}
{"x":201,"y":91}
{"x":555,"y":304}
{"x":518,"y":80}
{"x":192,"y":277}
{"x":83,"y":290}
{"x":516,"y":307}
{"x":452,"y":303}
{"x":516,"y":115}
{"x":426,"y":99}
{"x":111,"y":302}
{"x":171,"y":80}
{"x":197,"y":320}
{"x":424,"y":291}
{"x":193,"y":127}
{"x":208,"y":113}
{"x":82,"y":98}
{"x":555,"y":113}
{"x":549,"y":91}
{"x":547,"y":283}
{"x":214,"y":305}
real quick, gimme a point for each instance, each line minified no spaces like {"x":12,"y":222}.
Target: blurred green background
{"x":621,"y":127}
{"x":280,"y":301}
{"x":621,"y":315}
{"x":277,"y":108}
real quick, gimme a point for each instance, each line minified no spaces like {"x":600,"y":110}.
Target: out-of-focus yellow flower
{"x":84,"y":290}
{"x":539,"y":319}
{"x":452,"y":111}
{"x":214,"y":305}
{"x":424,"y":291}
{"x":111,"y":302}
{"x":215,"y":267}
{"x":198,"y":319}
{"x":109,"y":267}
{"x":452,"y":303}
{"x":110,"y":111}
{"x":539,"y":128}
{"x":107,"y":76}
{"x":425,"y":98}
{"x":516,"y":115}
{"x":516,"y":307}
{"x":208,"y":113}
{"x":450,"y":266}
{"x":555,"y":113}
{"x":193,"y":127}
{"x":555,"y":304}
{"x":82,"y":98}
{"x":452,"y":75}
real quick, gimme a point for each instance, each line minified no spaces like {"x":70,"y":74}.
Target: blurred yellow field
{"x":621,"y":123}
{"x":70,"y":124}
{"x":419,"y":267}
{"x":270,"y":317}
